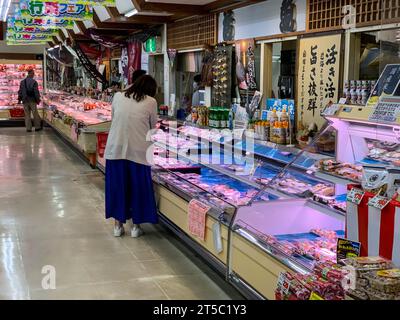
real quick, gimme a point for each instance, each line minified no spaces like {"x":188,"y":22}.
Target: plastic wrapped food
{"x":366,"y":264}
{"x":329,"y":234}
{"x":387,"y":281}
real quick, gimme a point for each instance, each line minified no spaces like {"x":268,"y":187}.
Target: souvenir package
{"x":375,"y":180}
{"x":366,"y":264}
{"x":387,"y":281}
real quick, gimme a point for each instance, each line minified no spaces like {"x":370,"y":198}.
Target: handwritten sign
{"x":319,"y":65}
{"x":197,"y":212}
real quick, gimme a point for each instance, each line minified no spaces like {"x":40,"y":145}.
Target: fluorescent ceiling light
{"x":6,"y":11}
{"x":1,"y":8}
{"x":131,"y":13}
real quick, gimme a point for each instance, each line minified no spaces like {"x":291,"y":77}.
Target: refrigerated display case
{"x":11,"y":74}
{"x":266,"y":201}
{"x":77,"y":119}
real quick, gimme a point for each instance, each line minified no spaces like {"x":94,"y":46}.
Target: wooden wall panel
{"x":192,"y":33}
{"x":326,"y":15}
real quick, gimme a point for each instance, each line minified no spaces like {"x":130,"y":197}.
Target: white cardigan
{"x":131,"y":123}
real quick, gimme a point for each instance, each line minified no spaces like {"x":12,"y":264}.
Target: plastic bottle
{"x":267,"y":131}
{"x":273,"y":118}
{"x":285,"y":126}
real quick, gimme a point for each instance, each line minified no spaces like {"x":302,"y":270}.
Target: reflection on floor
{"x":51,"y":214}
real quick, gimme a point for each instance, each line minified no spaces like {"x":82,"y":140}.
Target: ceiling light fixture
{"x":131,"y":13}
{"x":7,"y":10}
{"x":1,"y":8}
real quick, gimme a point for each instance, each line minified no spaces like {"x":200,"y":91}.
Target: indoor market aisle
{"x":52,"y":214}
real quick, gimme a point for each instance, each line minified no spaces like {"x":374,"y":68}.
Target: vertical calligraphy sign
{"x":318,"y":80}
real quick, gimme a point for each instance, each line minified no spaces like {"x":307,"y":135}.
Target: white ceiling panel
{"x":102,"y":13}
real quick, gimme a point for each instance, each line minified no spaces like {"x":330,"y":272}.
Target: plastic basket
{"x":17,"y":113}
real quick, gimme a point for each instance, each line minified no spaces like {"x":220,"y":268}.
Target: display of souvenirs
{"x":342,"y":169}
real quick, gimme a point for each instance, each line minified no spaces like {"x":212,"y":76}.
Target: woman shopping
{"x":129,"y":187}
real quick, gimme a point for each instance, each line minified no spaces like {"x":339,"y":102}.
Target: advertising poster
{"x":318,"y":81}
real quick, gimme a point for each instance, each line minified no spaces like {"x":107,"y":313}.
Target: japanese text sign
{"x":318,"y":69}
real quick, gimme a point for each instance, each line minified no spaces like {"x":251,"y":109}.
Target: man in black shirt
{"x":29,"y":95}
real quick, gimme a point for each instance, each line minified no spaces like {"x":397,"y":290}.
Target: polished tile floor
{"x":51,"y":214}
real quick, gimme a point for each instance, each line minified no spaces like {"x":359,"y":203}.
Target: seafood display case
{"x":77,"y":119}
{"x":274,"y":212}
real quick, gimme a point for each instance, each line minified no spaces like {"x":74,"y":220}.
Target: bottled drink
{"x":272,"y":120}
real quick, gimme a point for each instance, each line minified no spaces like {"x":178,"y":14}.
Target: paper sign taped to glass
{"x":197,"y":212}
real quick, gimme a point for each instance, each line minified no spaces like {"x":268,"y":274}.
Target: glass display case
{"x":278,"y":213}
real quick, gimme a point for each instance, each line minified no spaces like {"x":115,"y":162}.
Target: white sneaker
{"x":119,"y":231}
{"x":136,"y":231}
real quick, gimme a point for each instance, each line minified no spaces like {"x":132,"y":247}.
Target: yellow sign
{"x":318,"y":77}
{"x":315,"y":296}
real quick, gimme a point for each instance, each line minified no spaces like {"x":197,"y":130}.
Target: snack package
{"x":362,"y":265}
{"x":387,"y":281}
{"x":375,"y":180}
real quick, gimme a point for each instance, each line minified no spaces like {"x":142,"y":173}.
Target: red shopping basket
{"x":101,"y":143}
{"x":17,"y":113}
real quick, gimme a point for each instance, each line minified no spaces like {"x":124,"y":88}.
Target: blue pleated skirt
{"x":129,"y":192}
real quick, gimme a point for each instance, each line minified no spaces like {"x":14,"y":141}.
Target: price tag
{"x":283,"y":283}
{"x":355,"y":196}
{"x":378,"y":202}
{"x":315,"y":296}
{"x":385,"y":112}
{"x":197,"y":212}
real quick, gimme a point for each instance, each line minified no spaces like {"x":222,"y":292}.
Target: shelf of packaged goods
{"x":251,"y":259}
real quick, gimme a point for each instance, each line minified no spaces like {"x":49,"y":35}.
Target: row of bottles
{"x":357,"y":92}
{"x":275,"y":129}
{"x":218,"y":118}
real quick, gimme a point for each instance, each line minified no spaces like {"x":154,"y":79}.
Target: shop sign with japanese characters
{"x":64,"y":10}
{"x":318,"y":80}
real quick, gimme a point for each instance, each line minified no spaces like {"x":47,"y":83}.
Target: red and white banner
{"x":378,"y":230}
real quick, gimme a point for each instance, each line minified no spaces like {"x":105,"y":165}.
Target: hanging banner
{"x":64,"y":10}
{"x":25,"y":43}
{"x":134,"y":58}
{"x":106,"y":3}
{"x":46,"y":23}
{"x":33,"y":30}
{"x":28,"y":37}
{"x":318,"y":81}
{"x":125,"y":65}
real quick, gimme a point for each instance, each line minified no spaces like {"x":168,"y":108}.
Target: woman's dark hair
{"x":137,"y":74}
{"x":142,"y":87}
{"x":197,"y":78}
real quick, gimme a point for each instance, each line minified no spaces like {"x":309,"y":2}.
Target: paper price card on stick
{"x":197,"y":212}
{"x":355,"y":195}
{"x":378,"y":202}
